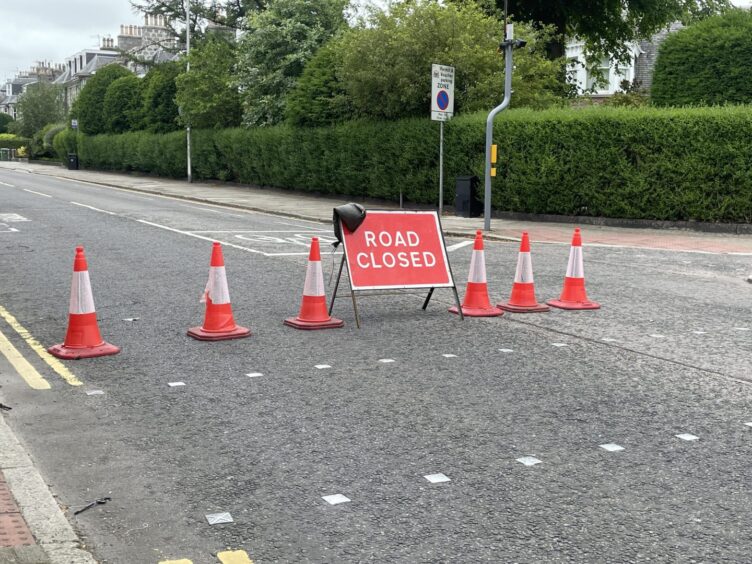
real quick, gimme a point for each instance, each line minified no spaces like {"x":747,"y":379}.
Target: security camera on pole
{"x":442,"y":109}
{"x":508,"y":45}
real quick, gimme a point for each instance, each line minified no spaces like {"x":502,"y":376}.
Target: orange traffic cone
{"x":313,"y":313}
{"x":219,"y":323}
{"x":573,"y":295}
{"x":523,"y":299}
{"x":476,"y":302}
{"x":82,"y":339}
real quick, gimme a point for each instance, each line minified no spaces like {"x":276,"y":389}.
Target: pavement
{"x":319,"y":208}
{"x":639,"y":415}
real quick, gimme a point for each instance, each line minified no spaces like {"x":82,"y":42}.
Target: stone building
{"x":42,"y":71}
{"x":639,"y":70}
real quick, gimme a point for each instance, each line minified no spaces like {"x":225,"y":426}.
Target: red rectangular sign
{"x":397,"y":249}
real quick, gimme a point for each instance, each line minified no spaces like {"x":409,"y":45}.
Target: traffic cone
{"x":313,"y":313}
{"x":476,"y":302}
{"x":523,"y":299}
{"x":219,"y":323}
{"x":82,"y":340}
{"x":573,"y":295}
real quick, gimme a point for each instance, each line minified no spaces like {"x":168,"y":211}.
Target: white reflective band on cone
{"x":524,"y":274}
{"x":575,"y":268}
{"x":314,"y":280}
{"x":216,"y":287}
{"x":81,"y":298}
{"x":477,"y":268}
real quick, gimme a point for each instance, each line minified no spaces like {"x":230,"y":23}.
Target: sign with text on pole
{"x":396,"y":250}
{"x":442,"y":109}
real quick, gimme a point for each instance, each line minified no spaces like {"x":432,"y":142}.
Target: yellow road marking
{"x":183,"y":561}
{"x":27,"y":371}
{"x":54,"y":363}
{"x":234,"y":557}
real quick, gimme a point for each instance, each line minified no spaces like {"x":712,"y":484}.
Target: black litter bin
{"x":72,"y":161}
{"x":465,"y":200}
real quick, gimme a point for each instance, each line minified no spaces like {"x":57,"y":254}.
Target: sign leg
{"x":336,"y":285}
{"x":428,"y":298}
{"x":457,"y":301}
{"x":441,"y":169}
{"x":354,"y":300}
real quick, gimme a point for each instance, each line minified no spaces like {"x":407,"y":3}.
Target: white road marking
{"x":131,"y":318}
{"x":609,"y":340}
{"x":687,"y":437}
{"x":749,"y":424}
{"x":449,"y":355}
{"x":322,"y":366}
{"x":699,"y":332}
{"x":194,"y":207}
{"x":335,"y":499}
{"x":456,"y":246}
{"x":259,"y":231}
{"x":655,"y":336}
{"x":189,"y":234}
{"x":529,"y":460}
{"x":95,"y":393}
{"x":437,"y":478}
{"x":93,"y":208}
{"x":5,"y":228}
{"x":37,"y":193}
{"x":560,"y":344}
{"x":12,"y":217}
{"x":8,"y":185}
{"x":175,"y":384}
{"x":506,"y":350}
{"x":612,"y":447}
{"x":254,"y":374}
{"x":741,"y":328}
{"x":386,"y":360}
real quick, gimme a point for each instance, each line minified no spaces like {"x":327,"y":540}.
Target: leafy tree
{"x":275,"y":48}
{"x":5,"y":121}
{"x":383,"y":66}
{"x":122,"y":105}
{"x":320,"y":97}
{"x":707,"y":63}
{"x":228,"y":13}
{"x":159,"y":110}
{"x":207,"y":95}
{"x":42,"y":103}
{"x":89,"y":106}
{"x":607,"y":25}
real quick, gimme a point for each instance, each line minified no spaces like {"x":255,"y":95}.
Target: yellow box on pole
{"x":493,"y":171}
{"x":493,"y":153}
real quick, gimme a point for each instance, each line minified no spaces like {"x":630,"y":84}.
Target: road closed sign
{"x":397,"y":249}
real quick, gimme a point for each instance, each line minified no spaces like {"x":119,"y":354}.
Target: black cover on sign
{"x":352,"y":215}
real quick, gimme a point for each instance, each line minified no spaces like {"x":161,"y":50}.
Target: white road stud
{"x":437,"y":478}
{"x":335,"y":499}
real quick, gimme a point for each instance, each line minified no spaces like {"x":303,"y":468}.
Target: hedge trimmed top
{"x":708,"y":63}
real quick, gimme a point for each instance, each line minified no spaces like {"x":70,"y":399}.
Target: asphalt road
{"x":669,"y":353}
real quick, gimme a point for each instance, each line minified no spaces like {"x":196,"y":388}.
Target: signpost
{"x":396,"y":250}
{"x":442,"y":109}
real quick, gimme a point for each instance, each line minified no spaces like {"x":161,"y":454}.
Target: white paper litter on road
{"x":612,"y":447}
{"x":529,"y":460}
{"x":335,"y":499}
{"x":219,"y":518}
{"x":437,"y":478}
{"x":687,"y":437}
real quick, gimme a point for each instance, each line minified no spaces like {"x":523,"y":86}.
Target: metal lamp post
{"x":187,"y":69}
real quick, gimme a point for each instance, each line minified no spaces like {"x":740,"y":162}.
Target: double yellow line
{"x":30,"y":374}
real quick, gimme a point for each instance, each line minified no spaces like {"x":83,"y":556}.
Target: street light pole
{"x":187,"y":69}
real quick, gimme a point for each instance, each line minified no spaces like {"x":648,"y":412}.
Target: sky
{"x":52,"y":30}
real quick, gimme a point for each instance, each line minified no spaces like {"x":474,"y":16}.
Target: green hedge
{"x":64,"y":142}
{"x":663,"y":164}
{"x":10,"y":141}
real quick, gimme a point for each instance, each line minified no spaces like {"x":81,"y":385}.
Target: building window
{"x":600,"y":79}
